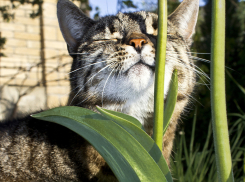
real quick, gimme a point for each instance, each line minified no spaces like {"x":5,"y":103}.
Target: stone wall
{"x":28,"y":56}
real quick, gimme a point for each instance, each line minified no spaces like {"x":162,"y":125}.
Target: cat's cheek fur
{"x":148,"y":55}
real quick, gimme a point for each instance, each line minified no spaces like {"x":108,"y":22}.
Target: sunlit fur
{"x":107,"y":71}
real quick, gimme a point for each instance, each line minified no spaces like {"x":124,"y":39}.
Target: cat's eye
{"x":103,"y":40}
{"x":152,"y":36}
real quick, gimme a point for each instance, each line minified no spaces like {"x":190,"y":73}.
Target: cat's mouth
{"x":150,"y":66}
{"x":142,"y":63}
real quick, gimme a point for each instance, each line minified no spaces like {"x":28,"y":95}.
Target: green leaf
{"x":171,"y":100}
{"x":126,"y":157}
{"x":118,"y":116}
{"x":133,"y":127}
{"x":129,"y":4}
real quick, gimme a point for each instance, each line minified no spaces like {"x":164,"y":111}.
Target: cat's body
{"x":114,"y":63}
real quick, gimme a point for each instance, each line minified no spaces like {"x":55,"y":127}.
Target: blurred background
{"x":34,"y":67}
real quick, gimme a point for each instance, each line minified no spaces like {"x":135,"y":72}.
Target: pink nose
{"x":137,"y":43}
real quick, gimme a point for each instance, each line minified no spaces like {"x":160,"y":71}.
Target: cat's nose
{"x":137,"y":43}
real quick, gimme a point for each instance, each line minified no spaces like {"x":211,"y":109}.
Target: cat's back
{"x":34,"y":150}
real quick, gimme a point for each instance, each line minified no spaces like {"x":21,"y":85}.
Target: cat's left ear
{"x":73,"y":23}
{"x":185,"y":17}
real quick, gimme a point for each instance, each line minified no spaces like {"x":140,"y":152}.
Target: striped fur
{"x":107,"y":71}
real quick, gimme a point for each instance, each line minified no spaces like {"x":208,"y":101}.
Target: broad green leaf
{"x":113,"y":115}
{"x":142,"y":137}
{"x":171,"y":100}
{"x":126,"y":157}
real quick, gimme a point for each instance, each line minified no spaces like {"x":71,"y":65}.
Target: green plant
{"x":195,"y":161}
{"x":192,"y":162}
{"x":218,"y":104}
{"x":159,"y":75}
{"x":123,"y":154}
{"x":134,"y":156}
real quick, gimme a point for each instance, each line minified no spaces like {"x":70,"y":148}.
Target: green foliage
{"x":191,"y":162}
{"x":195,"y":161}
{"x":2,"y":42}
{"x":133,"y":155}
{"x":125,"y":5}
{"x":159,"y":73}
{"x":218,"y":101}
{"x":234,"y":54}
{"x":128,"y":123}
{"x":118,"y":141}
{"x":5,"y":13}
{"x":97,"y":14}
{"x":235,"y":64}
{"x":153,"y":7}
{"x":129,"y":4}
{"x":171,"y":101}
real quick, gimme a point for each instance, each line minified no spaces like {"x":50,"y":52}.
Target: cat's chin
{"x":140,"y":76}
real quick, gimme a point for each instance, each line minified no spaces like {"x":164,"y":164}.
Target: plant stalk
{"x":218,"y":102}
{"x":159,"y":74}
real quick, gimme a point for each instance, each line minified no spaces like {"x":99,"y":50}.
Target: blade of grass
{"x":238,"y":107}
{"x":238,"y":85}
{"x":171,"y":100}
{"x":203,"y":154}
{"x":192,"y":156}
{"x":193,"y":132}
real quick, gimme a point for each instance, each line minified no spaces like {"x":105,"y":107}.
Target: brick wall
{"x":21,"y":78}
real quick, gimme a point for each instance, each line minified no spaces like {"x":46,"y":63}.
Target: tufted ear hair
{"x":73,"y":23}
{"x":185,"y":17}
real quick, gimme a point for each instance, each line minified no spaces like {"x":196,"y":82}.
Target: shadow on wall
{"x":14,"y":104}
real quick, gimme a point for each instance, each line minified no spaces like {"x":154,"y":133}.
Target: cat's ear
{"x":73,"y":22}
{"x":185,"y":17}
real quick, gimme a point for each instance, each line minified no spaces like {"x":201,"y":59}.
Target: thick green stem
{"x":219,"y":117}
{"x":160,"y":68}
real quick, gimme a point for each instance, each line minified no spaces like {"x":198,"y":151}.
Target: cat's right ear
{"x":73,"y":23}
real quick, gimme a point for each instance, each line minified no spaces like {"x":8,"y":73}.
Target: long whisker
{"x":198,"y":53}
{"x":86,"y":98}
{"x":198,"y":72}
{"x":105,"y":86}
{"x":199,"y":59}
{"x":86,"y":66}
{"x":88,"y":81}
{"x":201,"y":72}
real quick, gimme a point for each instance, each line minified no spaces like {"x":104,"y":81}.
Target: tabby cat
{"x":113,"y":67}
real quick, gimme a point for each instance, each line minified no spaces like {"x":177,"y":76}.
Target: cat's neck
{"x":139,"y":105}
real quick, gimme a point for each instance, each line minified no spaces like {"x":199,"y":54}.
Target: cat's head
{"x":114,"y":57}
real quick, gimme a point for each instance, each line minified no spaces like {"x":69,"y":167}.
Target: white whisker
{"x":105,"y":86}
{"x":87,"y":82}
{"x":86,"y":66}
{"x":197,"y":53}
